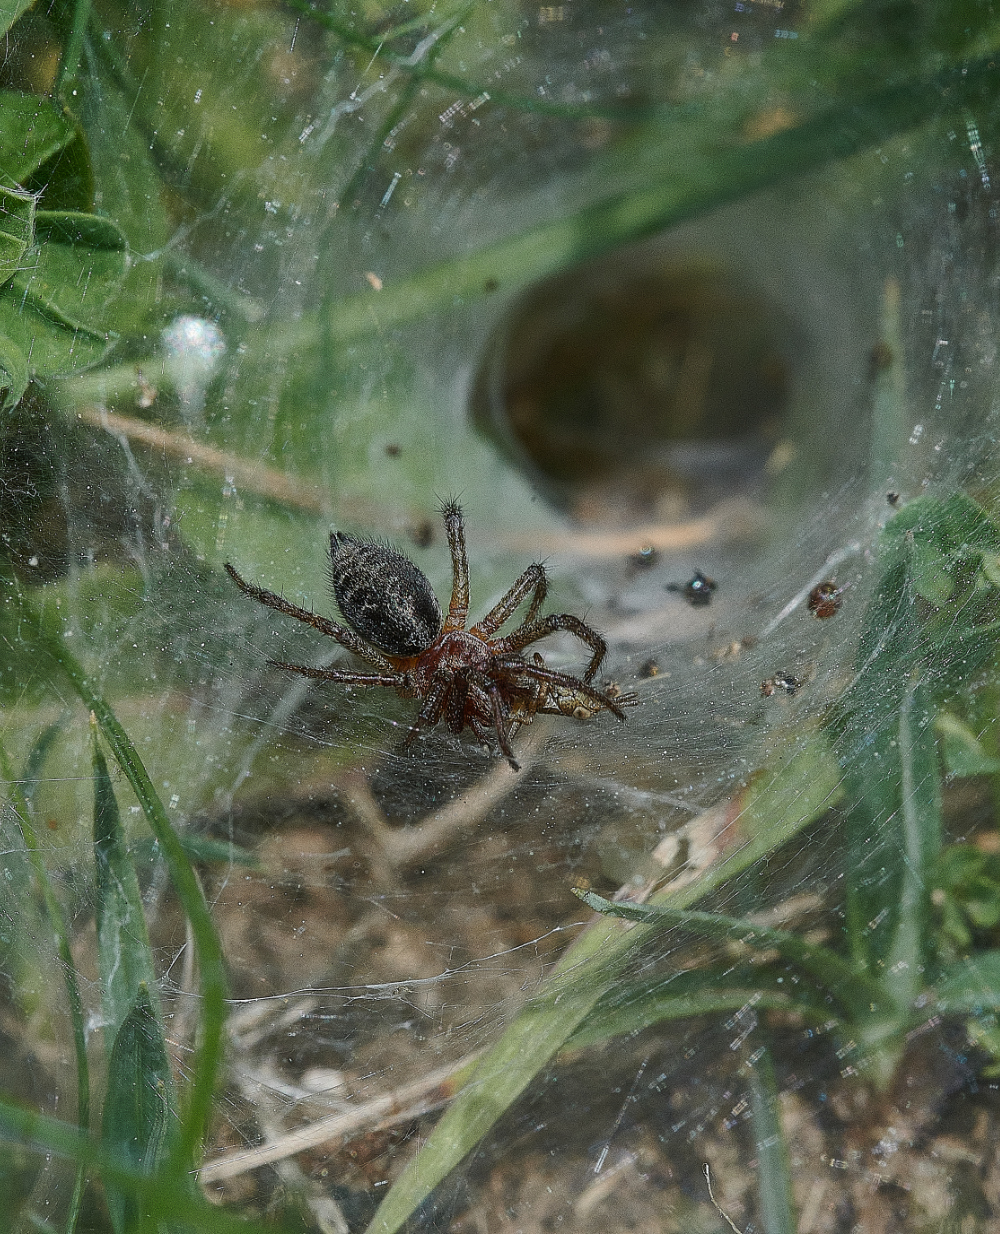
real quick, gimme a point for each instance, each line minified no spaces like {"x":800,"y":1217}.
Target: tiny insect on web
{"x":468,"y":678}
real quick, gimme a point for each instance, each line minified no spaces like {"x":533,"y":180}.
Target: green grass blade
{"x":920,"y":813}
{"x":208,"y":1055}
{"x":628,"y":1007}
{"x":57,"y":920}
{"x":69,"y":61}
{"x":930,"y":627}
{"x":423,"y":73}
{"x":123,"y":953}
{"x":832,"y":971}
{"x":774,"y":1185}
{"x":158,"y":1193}
{"x":693,"y":181}
{"x":534,"y":1037}
{"x":37,"y":755}
{"x":137,"y":1118}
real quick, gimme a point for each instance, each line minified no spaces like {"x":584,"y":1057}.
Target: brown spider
{"x":465,"y":677}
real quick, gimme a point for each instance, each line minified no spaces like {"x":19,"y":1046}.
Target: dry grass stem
{"x":256,"y":477}
{"x":407,"y":1102}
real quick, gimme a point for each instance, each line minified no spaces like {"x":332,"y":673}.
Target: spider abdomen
{"x":383,"y":595}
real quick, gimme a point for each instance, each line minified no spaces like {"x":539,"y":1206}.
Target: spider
{"x":469,"y":678}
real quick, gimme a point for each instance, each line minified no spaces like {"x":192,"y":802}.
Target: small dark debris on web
{"x":780,"y":683}
{"x":825,"y":600}
{"x":697,"y":590}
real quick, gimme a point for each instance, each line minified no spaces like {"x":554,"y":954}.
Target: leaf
{"x":53,"y":308}
{"x":970,"y":985}
{"x":10,"y":11}
{"x":931,"y":578}
{"x":834,"y":973}
{"x":66,"y":180}
{"x":967,"y":891}
{"x":32,"y":130}
{"x":13,"y":373}
{"x":17,"y":223}
{"x":124,"y":957}
{"x":137,"y":1115}
{"x":74,"y":268}
{"x":129,"y":186}
{"x":964,"y":753}
{"x":631,"y":1006}
{"x":956,"y":526}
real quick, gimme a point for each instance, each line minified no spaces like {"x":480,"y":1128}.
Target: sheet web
{"x":385,"y":914}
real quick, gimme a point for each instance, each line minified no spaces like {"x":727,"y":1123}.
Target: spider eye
{"x":383,"y":595}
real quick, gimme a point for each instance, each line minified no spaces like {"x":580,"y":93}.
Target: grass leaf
{"x":777,"y":1211}
{"x":832,"y":971}
{"x":138,"y":1119}
{"x":123,"y":953}
{"x":630,"y":1006}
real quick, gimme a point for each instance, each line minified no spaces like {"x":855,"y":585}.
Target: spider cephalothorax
{"x":469,"y":678}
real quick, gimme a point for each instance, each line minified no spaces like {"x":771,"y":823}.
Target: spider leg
{"x":500,"y":724}
{"x":488,"y":705}
{"x":573,"y":686}
{"x":346,"y":638}
{"x":485,"y":734}
{"x":342,"y":675}
{"x":527,"y":634}
{"x":455,"y":706}
{"x":482,"y":731}
{"x":435,"y":702}
{"x":533,"y":580}
{"x":458,"y":609}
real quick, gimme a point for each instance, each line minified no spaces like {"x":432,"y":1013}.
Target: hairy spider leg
{"x":485,"y":735}
{"x":500,"y":717}
{"x":499,"y":723}
{"x":519,"y":667}
{"x":346,"y":638}
{"x":488,"y":701}
{"x":435,"y":702}
{"x":526,"y":634}
{"x":458,"y":696}
{"x":482,"y":731}
{"x":342,"y":675}
{"x":458,"y":609}
{"x":533,"y":580}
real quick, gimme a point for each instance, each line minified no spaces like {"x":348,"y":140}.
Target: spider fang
{"x":469,"y":678}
